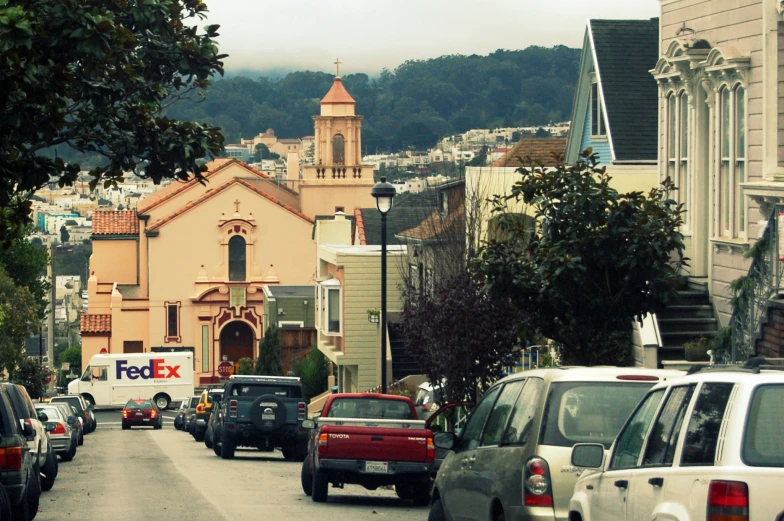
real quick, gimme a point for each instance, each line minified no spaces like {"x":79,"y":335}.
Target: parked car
{"x":141,"y":413}
{"x":39,"y":440}
{"x":62,"y":431}
{"x":264,"y":412}
{"x":70,"y":412}
{"x":214,"y":415}
{"x":179,"y":420}
{"x":371,"y":440}
{"x":511,"y":460}
{"x":203,"y":411}
{"x":189,"y":419}
{"x":83,"y":408}
{"x":706,"y":446}
{"x":427,"y":400}
{"x":18,"y":464}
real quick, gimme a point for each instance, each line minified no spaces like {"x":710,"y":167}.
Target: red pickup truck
{"x":370,"y":440}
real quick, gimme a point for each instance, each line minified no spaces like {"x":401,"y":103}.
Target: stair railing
{"x":752,"y":292}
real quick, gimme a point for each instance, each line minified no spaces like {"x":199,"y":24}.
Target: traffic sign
{"x":225,"y":369}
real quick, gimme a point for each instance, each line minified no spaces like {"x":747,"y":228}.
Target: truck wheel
{"x":301,"y":451}
{"x":422,"y":495}
{"x":436,"y":511}
{"x":307,"y":478}
{"x":288,"y":452}
{"x":404,"y":491}
{"x":320,"y":490}
{"x":271,"y":406}
{"x":227,"y":448}
{"x":162,"y":401}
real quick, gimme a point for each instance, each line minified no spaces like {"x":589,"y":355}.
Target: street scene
{"x":465,"y":261}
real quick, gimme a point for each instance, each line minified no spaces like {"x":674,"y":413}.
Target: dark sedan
{"x":141,"y":413}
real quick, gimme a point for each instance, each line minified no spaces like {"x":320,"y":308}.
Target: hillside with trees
{"x":411,"y":106}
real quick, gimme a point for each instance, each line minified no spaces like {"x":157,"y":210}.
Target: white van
{"x":112,"y":380}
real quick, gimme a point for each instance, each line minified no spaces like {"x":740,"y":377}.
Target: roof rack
{"x":753,"y":365}
{"x":267,"y":379}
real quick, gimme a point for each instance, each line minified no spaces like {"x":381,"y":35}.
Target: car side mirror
{"x":42,"y":417}
{"x":445,"y":440}
{"x":71,"y":420}
{"x":50,"y":426}
{"x":27,"y":429}
{"x":308,"y":424}
{"x":588,"y":455}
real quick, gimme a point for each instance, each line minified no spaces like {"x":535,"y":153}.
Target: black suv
{"x":18,"y":471}
{"x":265,"y":412}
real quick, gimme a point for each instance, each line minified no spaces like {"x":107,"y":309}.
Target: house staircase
{"x":690,"y":317}
{"x":403,"y":364}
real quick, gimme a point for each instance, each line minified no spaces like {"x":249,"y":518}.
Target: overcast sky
{"x":368,"y":35}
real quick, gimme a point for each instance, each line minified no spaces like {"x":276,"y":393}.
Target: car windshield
{"x":256,"y":390}
{"x":763,"y":444}
{"x":588,"y":412}
{"x":138,"y":404}
{"x":194,"y":401}
{"x":370,"y":408}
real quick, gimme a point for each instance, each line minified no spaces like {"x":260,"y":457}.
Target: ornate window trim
{"x":245,"y":228}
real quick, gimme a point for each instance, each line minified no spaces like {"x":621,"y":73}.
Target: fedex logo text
{"x":156,"y":370}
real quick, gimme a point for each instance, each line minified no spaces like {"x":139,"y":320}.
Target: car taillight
{"x":200,"y":408}
{"x":125,"y":413}
{"x":322,"y":444}
{"x":536,"y":484}
{"x":153,"y":414}
{"x":302,"y":411}
{"x":11,"y":458}
{"x":728,"y":501}
{"x":233,"y":409}
{"x":430,"y":456}
{"x":58,"y":429}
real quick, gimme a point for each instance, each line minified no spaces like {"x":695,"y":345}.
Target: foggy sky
{"x":368,"y":35}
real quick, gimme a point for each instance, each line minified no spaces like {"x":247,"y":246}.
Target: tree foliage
{"x":21,"y":320}
{"x":32,"y":375}
{"x":596,"y":261}
{"x":269,"y":354}
{"x":71,"y":355}
{"x":25,"y":263}
{"x":412,"y":106}
{"x":95,"y":76}
{"x":314,"y":370}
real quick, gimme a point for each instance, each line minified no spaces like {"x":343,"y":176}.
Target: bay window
{"x":330,"y":312}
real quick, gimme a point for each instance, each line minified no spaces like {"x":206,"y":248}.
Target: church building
{"x":190,"y":268}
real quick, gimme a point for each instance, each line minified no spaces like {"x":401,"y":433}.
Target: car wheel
{"x":422,"y":494}
{"x":436,"y":511}
{"x":21,"y":511}
{"x":81,"y":440}
{"x":126,"y":427}
{"x":500,"y":516}
{"x":320,"y":491}
{"x":67,"y":456}
{"x":5,"y":504}
{"x":306,"y":477}
{"x":198,"y":436}
{"x":404,"y":491}
{"x":288,"y":453}
{"x":49,"y":472}
{"x":227,"y":448}
{"x":33,"y":496}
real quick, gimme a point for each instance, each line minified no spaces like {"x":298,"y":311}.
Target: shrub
{"x":313,"y":369}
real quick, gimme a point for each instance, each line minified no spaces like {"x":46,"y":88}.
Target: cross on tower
{"x":237,"y":205}
{"x":338,"y":62}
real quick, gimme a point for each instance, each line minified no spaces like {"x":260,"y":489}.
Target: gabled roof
{"x":95,"y":324}
{"x":541,"y":149}
{"x":123,"y":222}
{"x":196,"y":202}
{"x":169,"y":191}
{"x":338,"y":94}
{"x":436,"y":225}
{"x":398,"y":220}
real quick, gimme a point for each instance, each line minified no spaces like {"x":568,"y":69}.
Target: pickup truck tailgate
{"x":383,"y":443}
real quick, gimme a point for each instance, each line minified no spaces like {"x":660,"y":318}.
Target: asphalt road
{"x":150,"y":475}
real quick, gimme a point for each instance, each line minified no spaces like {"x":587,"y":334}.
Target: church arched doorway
{"x":236,"y":341}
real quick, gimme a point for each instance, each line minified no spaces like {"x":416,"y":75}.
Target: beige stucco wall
{"x":115,"y":260}
{"x":322,"y":197}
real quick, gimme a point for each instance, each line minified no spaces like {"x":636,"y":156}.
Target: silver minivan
{"x":511,"y":461}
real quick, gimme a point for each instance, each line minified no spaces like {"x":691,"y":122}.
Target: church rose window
{"x":338,"y":150}
{"x":236,"y":258}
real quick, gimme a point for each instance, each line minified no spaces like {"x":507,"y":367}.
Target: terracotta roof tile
{"x":122,"y":222}
{"x":95,"y":324}
{"x":360,"y":223}
{"x":337,"y":94}
{"x":196,"y":202}
{"x":538,"y":149}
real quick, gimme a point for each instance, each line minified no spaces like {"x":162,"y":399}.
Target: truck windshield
{"x":256,"y":390}
{"x":370,"y":408}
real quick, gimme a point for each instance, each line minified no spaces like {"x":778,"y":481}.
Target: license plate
{"x":377,"y":467}
{"x":267,"y":416}
{"x":139,"y":414}
{"x":146,"y":419}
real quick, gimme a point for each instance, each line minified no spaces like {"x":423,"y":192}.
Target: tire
{"x":268,"y":404}
{"x":216,"y":448}
{"x":198,"y":436}
{"x":320,"y":491}
{"x":81,"y":440}
{"x":501,"y":516}
{"x":5,"y":504}
{"x":49,"y":472}
{"x":21,"y":511}
{"x":306,"y":477}
{"x":227,"y":448}
{"x":436,"y":511}
{"x":288,"y":453}
{"x":405,"y":491}
{"x":126,"y":427}
{"x":68,"y":456}
{"x":33,"y":496}
{"x":301,"y":451}
{"x":162,"y":401}
{"x":422,"y":495}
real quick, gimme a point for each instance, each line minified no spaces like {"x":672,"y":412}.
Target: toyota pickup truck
{"x":370,"y":440}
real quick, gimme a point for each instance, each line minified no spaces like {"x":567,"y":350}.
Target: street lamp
{"x":384,"y":193}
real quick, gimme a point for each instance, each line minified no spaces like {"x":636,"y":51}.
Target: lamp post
{"x":384,"y":193}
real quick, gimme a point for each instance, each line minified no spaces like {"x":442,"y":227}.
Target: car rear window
{"x":763,"y":443}
{"x":53,"y":413}
{"x":256,"y":390}
{"x":588,"y":412}
{"x":74,"y":400}
{"x":139,"y":404}
{"x":370,"y":408}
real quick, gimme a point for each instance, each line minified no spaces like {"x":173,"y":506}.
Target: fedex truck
{"x":112,"y":380}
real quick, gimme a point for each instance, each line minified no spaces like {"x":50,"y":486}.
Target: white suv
{"x":708,"y":446}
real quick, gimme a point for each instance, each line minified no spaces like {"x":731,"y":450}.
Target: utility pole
{"x":52,"y":309}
